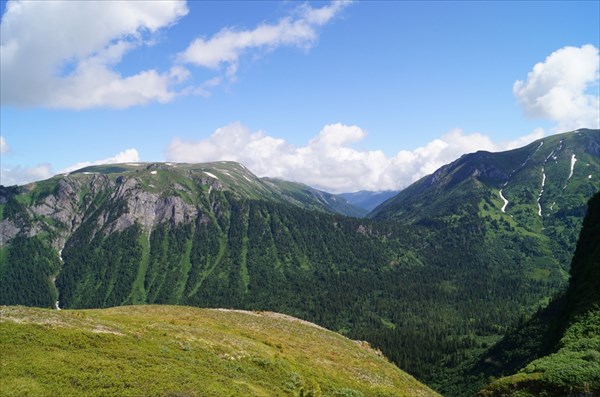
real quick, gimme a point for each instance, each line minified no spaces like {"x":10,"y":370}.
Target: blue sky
{"x":341,"y":96}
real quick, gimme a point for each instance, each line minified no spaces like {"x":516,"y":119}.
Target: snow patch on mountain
{"x":503,"y":209}
{"x":541,"y":192}
{"x":573,"y":161}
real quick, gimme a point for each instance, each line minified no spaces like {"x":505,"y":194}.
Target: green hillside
{"x":521,"y":242}
{"x":539,"y":191}
{"x":182,"y":351}
{"x":565,"y":337}
{"x":433,"y":290}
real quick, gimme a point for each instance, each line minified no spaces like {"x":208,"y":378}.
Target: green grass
{"x":182,"y":351}
{"x":574,"y":368}
{"x":565,"y":337}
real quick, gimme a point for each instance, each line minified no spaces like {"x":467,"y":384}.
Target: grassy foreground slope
{"x":183,"y":351}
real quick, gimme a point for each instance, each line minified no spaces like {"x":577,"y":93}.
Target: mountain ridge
{"x":158,"y":188}
{"x":500,"y":168}
{"x":537,"y":188}
{"x":432,"y":291}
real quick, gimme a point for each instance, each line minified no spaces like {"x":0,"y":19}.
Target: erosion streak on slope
{"x":503,"y":199}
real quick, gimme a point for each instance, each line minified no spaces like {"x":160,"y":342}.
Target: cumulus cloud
{"x":223,"y":50}
{"x":63,"y":54}
{"x":126,"y":156}
{"x":19,"y":175}
{"x":328,"y":160}
{"x":563,"y":88}
{"x":3,"y":145}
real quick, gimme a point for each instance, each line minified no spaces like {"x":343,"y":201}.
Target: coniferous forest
{"x":433,"y":291}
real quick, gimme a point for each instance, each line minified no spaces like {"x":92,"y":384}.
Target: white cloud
{"x":22,"y":175}
{"x":223,"y":50}
{"x":3,"y":145}
{"x":62,"y":54}
{"x":328,"y":161}
{"x":126,"y":156}
{"x":564,"y":88}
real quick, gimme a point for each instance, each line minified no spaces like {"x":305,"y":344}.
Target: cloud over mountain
{"x":328,"y":161}
{"x":126,"y":156}
{"x":564,"y":88}
{"x":19,"y":175}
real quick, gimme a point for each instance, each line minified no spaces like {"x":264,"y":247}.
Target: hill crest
{"x":175,"y":350}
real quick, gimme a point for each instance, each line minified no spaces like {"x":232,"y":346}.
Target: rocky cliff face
{"x":75,"y":199}
{"x":120,"y":196}
{"x":146,"y":208}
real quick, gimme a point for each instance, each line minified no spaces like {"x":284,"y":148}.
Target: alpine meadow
{"x":375,"y":258}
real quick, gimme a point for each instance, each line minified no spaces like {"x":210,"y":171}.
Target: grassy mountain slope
{"x":182,"y":351}
{"x":433,"y":292}
{"x":525,"y":252}
{"x":306,"y":194}
{"x":565,"y":336}
{"x":539,"y":191}
{"x":236,"y":178}
{"x":382,"y":282}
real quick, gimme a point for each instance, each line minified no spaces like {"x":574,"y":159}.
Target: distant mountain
{"x":368,"y":200}
{"x":557,"y":353}
{"x":228,"y":176}
{"x":540,"y":189}
{"x":308,"y":197}
{"x":523,"y":207}
{"x":183,"y":351}
{"x":436,"y":276}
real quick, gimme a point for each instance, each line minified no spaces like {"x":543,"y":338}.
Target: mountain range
{"x":368,"y":200}
{"x":434,"y":276}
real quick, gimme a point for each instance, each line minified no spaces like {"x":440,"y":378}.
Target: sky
{"x":342,"y":96}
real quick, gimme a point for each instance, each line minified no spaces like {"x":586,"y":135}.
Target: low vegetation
{"x":433,"y":278}
{"x":564,"y":339}
{"x":181,"y":351}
